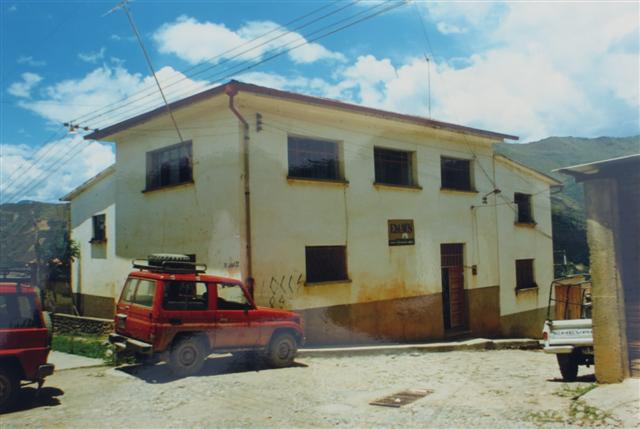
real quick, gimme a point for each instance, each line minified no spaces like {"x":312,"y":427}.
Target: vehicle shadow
{"x":28,"y":399}
{"x":213,"y":366}
{"x":586,"y":378}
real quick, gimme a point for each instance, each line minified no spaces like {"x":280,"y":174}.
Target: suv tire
{"x":159,"y":258}
{"x":187,"y":357}
{"x":568,"y":364}
{"x":9,"y":386}
{"x":282,"y":350}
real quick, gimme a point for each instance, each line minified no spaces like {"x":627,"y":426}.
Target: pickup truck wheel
{"x":282,"y":350}
{"x":568,"y":366}
{"x":187,"y":357}
{"x":9,"y":386}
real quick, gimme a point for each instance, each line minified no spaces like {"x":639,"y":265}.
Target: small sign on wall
{"x":401,"y":232}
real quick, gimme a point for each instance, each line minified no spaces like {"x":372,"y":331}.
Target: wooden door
{"x":452,"y":263}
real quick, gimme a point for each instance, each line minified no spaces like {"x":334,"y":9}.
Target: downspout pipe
{"x":231,"y":91}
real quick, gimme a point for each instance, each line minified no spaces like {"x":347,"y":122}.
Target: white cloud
{"x":547,"y":69}
{"x":23,"y":89}
{"x":104,"y":86}
{"x":30,"y":61}
{"x":446,"y":28}
{"x":195,"y":42}
{"x":72,"y":161}
{"x":92,"y":57}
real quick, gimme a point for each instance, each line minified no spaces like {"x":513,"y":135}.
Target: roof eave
{"x":325,"y":102}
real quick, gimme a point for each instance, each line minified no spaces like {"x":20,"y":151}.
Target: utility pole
{"x":428,"y":84}
{"x":123,"y":5}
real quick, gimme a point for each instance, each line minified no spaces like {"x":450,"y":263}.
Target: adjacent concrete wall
{"x":610,"y":341}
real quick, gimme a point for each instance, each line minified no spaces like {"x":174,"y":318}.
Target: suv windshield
{"x":19,"y":311}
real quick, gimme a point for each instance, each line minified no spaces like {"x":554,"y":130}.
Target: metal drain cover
{"x":399,"y":399}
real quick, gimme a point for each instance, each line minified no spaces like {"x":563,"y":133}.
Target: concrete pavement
{"x":621,"y":400}
{"x":64,"y":361}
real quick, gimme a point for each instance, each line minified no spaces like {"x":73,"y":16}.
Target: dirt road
{"x":506,"y":388}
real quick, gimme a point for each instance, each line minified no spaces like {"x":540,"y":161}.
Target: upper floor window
{"x":456,"y":174}
{"x":394,"y":167}
{"x":170,"y":165}
{"x":99,"y":228}
{"x":314,"y":159}
{"x":525,"y":278}
{"x":523,"y":202}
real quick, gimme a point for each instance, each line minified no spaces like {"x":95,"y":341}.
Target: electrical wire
{"x":239,"y":68}
{"x":131,"y":99}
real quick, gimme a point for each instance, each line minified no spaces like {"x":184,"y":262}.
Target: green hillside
{"x":569,"y":229}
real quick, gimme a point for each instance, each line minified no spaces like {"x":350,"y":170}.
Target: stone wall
{"x":68,"y":324}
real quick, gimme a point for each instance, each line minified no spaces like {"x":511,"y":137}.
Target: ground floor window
{"x":326,"y":263}
{"x":525,"y":278}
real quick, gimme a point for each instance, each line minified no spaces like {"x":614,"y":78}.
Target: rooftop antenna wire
{"x":123,"y":5}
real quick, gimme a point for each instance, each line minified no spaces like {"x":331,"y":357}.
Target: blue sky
{"x":532,"y":69}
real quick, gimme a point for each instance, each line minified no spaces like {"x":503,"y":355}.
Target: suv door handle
{"x":175,"y":321}
{"x":223,"y":319}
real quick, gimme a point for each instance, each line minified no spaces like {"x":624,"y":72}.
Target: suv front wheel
{"x":187,"y":357}
{"x":282,"y":350}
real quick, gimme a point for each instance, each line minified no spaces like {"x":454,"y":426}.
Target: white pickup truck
{"x":570,"y":336}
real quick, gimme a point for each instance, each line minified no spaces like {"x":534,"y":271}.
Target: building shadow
{"x":213,"y":366}
{"x":29,"y":398}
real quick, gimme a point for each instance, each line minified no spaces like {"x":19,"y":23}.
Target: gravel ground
{"x":501,"y":388}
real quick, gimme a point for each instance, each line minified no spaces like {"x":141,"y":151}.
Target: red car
{"x":25,"y":339}
{"x":171,"y":310}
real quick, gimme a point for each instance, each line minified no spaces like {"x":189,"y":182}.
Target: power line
{"x":251,"y":66}
{"x":45,"y":174}
{"x":222,"y":54}
{"x":123,"y":6}
{"x":234,"y":70}
{"x":40,"y":154}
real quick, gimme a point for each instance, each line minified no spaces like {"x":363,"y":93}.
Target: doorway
{"x":452,"y":266}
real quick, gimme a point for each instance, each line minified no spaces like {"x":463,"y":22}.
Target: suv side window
{"x":145,"y":292}
{"x":185,"y":295}
{"x":129,"y":289}
{"x":231,"y":297}
{"x":19,"y":311}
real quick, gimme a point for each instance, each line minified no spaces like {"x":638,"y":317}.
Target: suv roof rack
{"x":18,"y":275}
{"x":169,"y":267}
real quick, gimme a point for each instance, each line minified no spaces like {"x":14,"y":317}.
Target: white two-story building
{"x":376,"y":226}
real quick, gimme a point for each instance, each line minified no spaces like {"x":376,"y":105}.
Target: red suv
{"x":171,"y":310}
{"x":25,"y":339}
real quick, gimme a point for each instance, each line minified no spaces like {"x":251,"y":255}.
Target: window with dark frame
{"x":169,"y":166}
{"x":393,"y":167}
{"x":313,"y":159}
{"x":99,"y":228}
{"x":523,"y":203}
{"x":456,"y":174}
{"x":326,"y":263}
{"x":524,"y":274}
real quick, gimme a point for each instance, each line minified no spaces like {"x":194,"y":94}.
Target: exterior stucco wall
{"x":523,"y":242}
{"x":99,"y":273}
{"x":292,"y":214}
{"x":393,"y":292}
{"x":204,"y":218}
